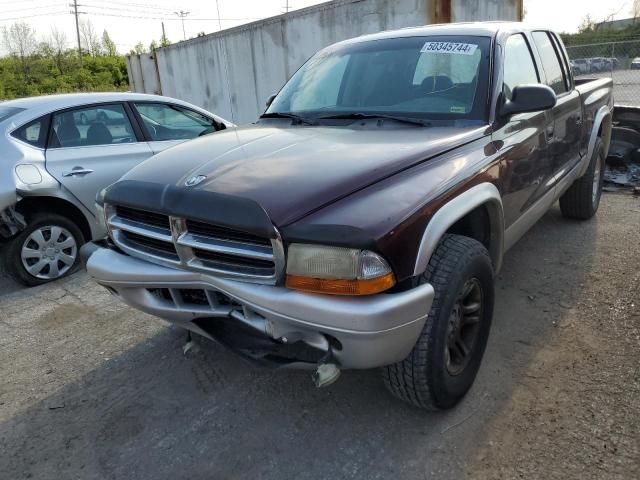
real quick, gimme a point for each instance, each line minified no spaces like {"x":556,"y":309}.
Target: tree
{"x":587,"y":24}
{"x":58,"y":45}
{"x":90,"y":38}
{"x":20,"y":40}
{"x":635,"y":10}
{"x":164,"y":41}
{"x":109,"y":45}
{"x":153,"y":45}
{"x":138,"y":49}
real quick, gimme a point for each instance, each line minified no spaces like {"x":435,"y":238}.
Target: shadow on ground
{"x":154,"y":413}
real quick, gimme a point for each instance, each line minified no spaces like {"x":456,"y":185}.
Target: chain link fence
{"x":618,"y":60}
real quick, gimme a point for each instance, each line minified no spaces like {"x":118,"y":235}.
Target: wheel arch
{"x":481,"y":203}
{"x":36,"y":204}
{"x":601,"y":128}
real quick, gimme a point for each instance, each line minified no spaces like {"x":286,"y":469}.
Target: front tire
{"x":48,"y":249}
{"x":445,"y":360}
{"x":582,"y":199}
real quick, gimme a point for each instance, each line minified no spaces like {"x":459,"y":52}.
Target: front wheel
{"x":445,"y":360}
{"x":582,"y":199}
{"x":46,"y":250}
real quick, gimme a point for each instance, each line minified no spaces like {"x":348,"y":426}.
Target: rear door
{"x":166,"y":124}
{"x":564,"y":136}
{"x":91,"y":147}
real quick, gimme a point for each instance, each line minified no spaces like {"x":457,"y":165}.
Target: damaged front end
{"x":11,"y":222}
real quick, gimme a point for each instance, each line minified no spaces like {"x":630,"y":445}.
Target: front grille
{"x":196,"y":245}
{"x":224,"y":233}
{"x":221,"y":261}
{"x":153,"y":246}
{"x":141,"y":216}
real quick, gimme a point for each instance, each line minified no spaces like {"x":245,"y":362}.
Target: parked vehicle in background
{"x":600,"y":64}
{"x":581,"y":66}
{"x":635,"y":63}
{"x":401,"y":166}
{"x":58,"y":152}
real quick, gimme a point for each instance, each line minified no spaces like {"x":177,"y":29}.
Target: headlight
{"x":337,"y":271}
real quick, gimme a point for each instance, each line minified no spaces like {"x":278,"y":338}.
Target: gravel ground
{"x":92,"y":389}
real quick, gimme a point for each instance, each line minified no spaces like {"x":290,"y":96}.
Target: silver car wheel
{"x":49,"y":252}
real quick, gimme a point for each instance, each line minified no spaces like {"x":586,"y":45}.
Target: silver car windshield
{"x":6,"y":112}
{"x":439,"y":77}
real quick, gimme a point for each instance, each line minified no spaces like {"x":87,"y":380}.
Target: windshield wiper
{"x":359,"y":115}
{"x":292,"y":116}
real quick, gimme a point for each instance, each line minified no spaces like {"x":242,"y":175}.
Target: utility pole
{"x":164,"y":37}
{"x":286,"y":8}
{"x":75,"y":12}
{"x":219,"y":21}
{"x":182,"y":14}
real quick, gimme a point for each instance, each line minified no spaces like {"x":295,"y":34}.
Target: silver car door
{"x":92,"y":147}
{"x":167,"y":124}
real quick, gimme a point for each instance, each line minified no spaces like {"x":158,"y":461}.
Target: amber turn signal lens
{"x":341,"y":287}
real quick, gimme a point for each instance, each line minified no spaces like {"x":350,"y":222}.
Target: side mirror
{"x":270,"y":100}
{"x":529,"y":98}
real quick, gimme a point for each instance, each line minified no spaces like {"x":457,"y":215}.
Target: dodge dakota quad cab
{"x":361,"y":221}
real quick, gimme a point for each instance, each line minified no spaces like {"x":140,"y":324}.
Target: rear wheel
{"x":582,"y":199}
{"x":445,"y":360}
{"x":46,"y":250}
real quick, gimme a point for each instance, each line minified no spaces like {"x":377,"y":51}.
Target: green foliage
{"x":589,"y":34}
{"x":47,"y":72}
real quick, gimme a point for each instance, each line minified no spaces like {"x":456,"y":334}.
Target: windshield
{"x":6,"y":112}
{"x":432,"y":77}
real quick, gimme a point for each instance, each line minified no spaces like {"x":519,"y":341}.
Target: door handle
{"x":77,"y":171}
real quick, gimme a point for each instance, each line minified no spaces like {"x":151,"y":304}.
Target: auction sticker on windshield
{"x":449,"y":47}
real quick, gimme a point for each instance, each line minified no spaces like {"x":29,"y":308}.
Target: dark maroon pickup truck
{"x":361,"y":221}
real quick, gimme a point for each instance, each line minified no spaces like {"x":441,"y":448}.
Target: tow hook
{"x":327,"y":372}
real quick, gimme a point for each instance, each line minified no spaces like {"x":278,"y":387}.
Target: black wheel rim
{"x":464,"y":326}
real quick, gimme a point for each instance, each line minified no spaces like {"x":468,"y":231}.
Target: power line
{"x":29,"y":9}
{"x":23,"y":17}
{"x":168,"y":18}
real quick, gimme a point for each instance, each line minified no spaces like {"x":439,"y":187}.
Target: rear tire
{"x":34,"y":256}
{"x":436,"y":375}
{"x":582,"y":199}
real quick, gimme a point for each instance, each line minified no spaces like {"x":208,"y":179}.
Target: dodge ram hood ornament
{"x":196,"y":180}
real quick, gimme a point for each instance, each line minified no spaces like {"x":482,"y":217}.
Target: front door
{"x":168,"y":124}
{"x":92,"y":147}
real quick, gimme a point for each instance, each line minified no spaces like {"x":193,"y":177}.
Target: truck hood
{"x":293,"y":171}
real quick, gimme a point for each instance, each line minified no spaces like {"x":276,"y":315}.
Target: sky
{"x":129,"y":22}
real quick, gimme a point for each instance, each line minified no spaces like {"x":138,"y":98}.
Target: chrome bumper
{"x":371,"y":331}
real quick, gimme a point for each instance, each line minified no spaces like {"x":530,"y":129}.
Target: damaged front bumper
{"x":272,"y":323}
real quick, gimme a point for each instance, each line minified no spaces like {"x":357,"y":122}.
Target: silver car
{"x":57,"y":152}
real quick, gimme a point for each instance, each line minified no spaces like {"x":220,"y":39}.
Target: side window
{"x":550,"y":62}
{"x":33,"y":133}
{"x":172,"y":122}
{"x":519,"y":68}
{"x":564,"y":62}
{"x":99,"y":125}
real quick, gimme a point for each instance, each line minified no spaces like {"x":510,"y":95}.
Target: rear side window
{"x":519,"y":68}
{"x":550,"y":62}
{"x":33,"y":133}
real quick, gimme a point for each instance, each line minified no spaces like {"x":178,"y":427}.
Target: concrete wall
{"x":232,"y":72}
